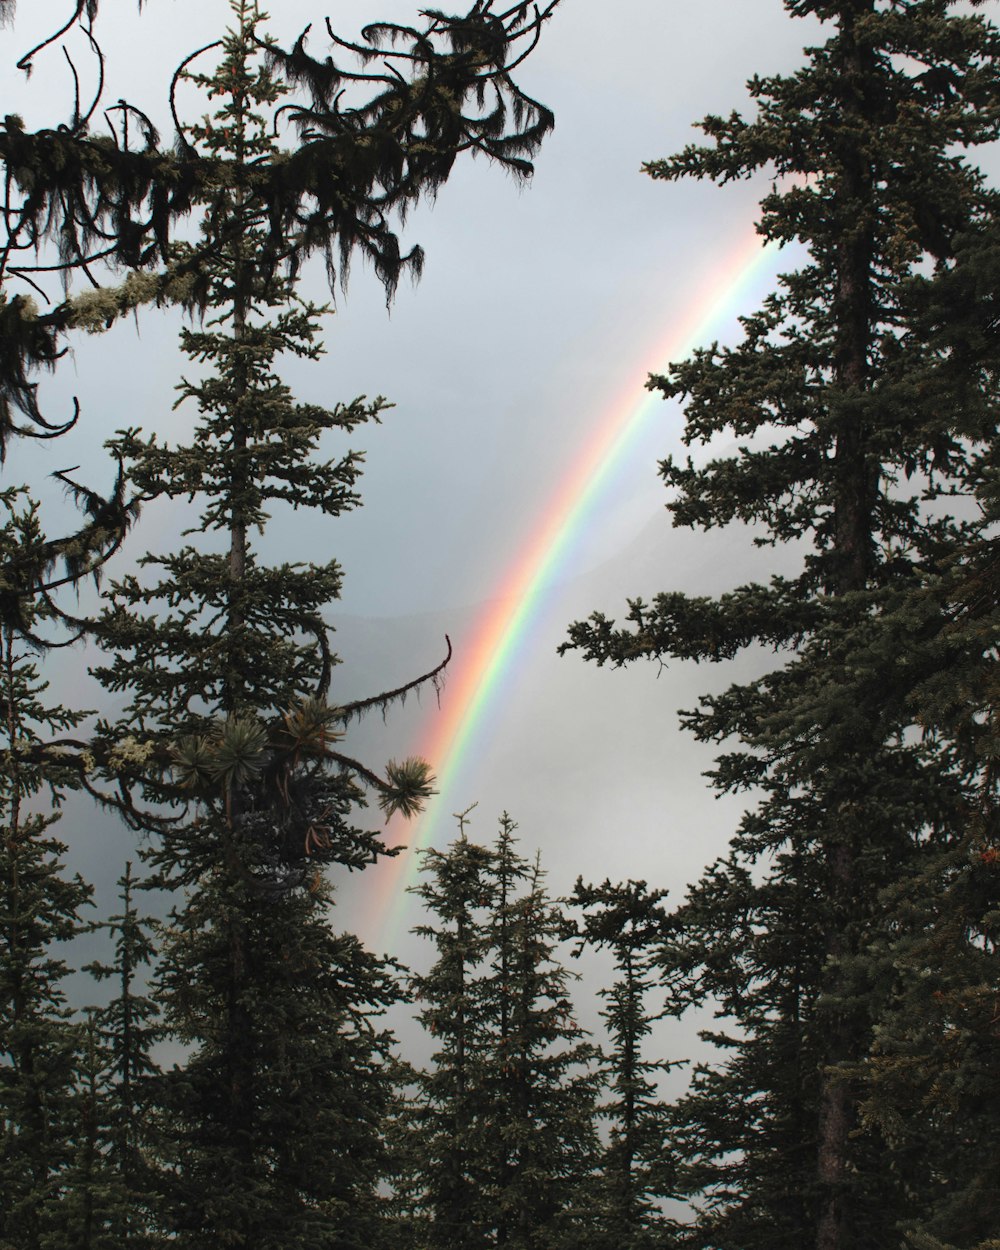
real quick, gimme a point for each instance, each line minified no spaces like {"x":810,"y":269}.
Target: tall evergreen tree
{"x":513,"y":1079}
{"x":629,"y":920}
{"x":87,"y":205}
{"x":119,"y":1188}
{"x":448,"y":1122}
{"x":543,"y":1073}
{"x":853,"y":441}
{"x":932,"y":1078}
{"x":40,"y":907}
{"x":271,"y":1122}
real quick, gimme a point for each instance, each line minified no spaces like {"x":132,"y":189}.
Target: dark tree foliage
{"x":40,"y":907}
{"x":932,"y":1079}
{"x":227,"y":752}
{"x":629,"y":920}
{"x":857,"y":433}
{"x":381,"y":123}
{"x":227,"y":660}
{"x":542,"y":1078}
{"x":448,"y":1151}
{"x":501,"y":1137}
{"x":101,"y":193}
{"x":272,"y":1125}
{"x":116,"y":1194}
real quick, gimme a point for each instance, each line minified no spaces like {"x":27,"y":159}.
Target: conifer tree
{"x":448,"y":1121}
{"x":120,"y":1082}
{"x":40,"y":907}
{"x":406,"y":1213}
{"x":853,"y":438}
{"x":544,"y":1079}
{"x":513,"y":1077}
{"x":82,"y":204}
{"x":629,"y":920}
{"x":931,"y":1081}
{"x":228,"y":752}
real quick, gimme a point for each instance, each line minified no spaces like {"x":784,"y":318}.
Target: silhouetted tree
{"x":852,"y":441}
{"x":41,"y":907}
{"x":629,"y":920}
{"x":228,"y":752}
{"x":503,"y":1126}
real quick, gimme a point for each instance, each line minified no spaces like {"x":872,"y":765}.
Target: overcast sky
{"x":540,"y":307}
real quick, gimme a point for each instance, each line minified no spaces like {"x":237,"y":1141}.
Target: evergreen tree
{"x":405,"y":1212}
{"x":227,"y":750}
{"x":932,"y":1078}
{"x":448,"y":1121}
{"x":94,"y":1206}
{"x":504,"y":1121}
{"x":629,"y":920}
{"x":80,"y":203}
{"x":40,"y":907}
{"x":543,"y":1074}
{"x":854,"y":438}
{"x":118,"y":1089}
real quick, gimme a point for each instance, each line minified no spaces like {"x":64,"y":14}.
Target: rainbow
{"x":476,"y":675}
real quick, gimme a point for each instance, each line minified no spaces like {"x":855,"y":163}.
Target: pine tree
{"x":272,"y":1133}
{"x":40,"y":907}
{"x":544,"y":1079}
{"x":80,"y":203}
{"x":405,"y":1210}
{"x":505,"y":1116}
{"x":118,"y":1088}
{"x":228,"y":752}
{"x":854,"y":438}
{"x":629,"y":920}
{"x":448,"y":1121}
{"x":931,"y":1082}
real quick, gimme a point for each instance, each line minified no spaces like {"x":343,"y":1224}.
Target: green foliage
{"x":271,"y":1126}
{"x":862,"y":411}
{"x":116,"y":1190}
{"x":40,"y":908}
{"x":638,"y":1167}
{"x":215,"y":631}
{"x":500,"y":1141}
{"x":268,"y":1126}
{"x":412,"y":784}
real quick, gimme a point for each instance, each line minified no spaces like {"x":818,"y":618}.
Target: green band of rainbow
{"x":475,"y":676}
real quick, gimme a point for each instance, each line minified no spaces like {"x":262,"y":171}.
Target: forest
{"x":225,"y":1075}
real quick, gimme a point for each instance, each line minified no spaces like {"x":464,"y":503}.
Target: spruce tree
{"x":854,"y":439}
{"x":227,"y":751}
{"x":932,"y":1078}
{"x":119,"y":1084}
{"x":544,"y":1073}
{"x":448,"y":1124}
{"x":628,"y":919}
{"x":513,"y":1077}
{"x":41,"y":907}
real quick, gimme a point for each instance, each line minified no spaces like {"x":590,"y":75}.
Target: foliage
{"x":117,"y":197}
{"x":638,"y":1166}
{"x":502,"y":1139}
{"x":856,"y":433}
{"x":229,"y":752}
{"x":118,"y":1190}
{"x":40,"y":908}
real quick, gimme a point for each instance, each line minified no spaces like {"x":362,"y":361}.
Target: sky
{"x":541,"y":310}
